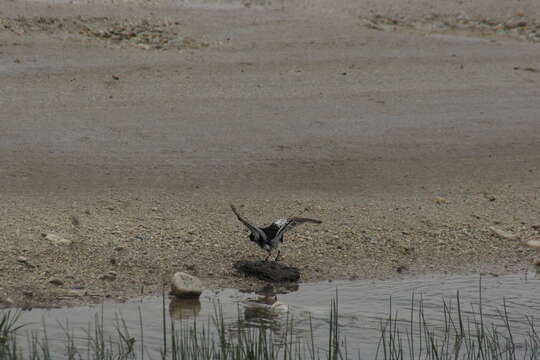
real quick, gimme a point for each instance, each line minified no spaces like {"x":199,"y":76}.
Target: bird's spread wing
{"x":286,"y":224}
{"x":258,"y":233}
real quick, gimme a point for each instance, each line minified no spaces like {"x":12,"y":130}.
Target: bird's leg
{"x":277,"y":257}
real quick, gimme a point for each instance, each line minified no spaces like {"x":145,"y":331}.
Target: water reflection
{"x":182,"y":309}
{"x":363,"y":305}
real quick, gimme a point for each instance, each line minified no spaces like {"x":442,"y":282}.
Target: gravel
{"x":385,"y":239}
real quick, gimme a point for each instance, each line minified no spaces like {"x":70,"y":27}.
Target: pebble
{"x":109,"y":276}
{"x":24,"y":260}
{"x":76,"y":293}
{"x":401,"y":268}
{"x":75,"y":220}
{"x":56,"y":281}
{"x":6,"y":302}
{"x":515,"y":23}
{"x":504,"y":234}
{"x":440,"y":200}
{"x":535,"y":244}
{"x":57,"y":240}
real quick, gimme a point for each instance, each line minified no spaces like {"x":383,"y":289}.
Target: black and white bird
{"x":271,"y":237}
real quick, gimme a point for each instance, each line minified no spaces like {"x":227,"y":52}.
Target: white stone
{"x":57,"y":240}
{"x":535,"y":244}
{"x":504,"y":234}
{"x":186,"y":286}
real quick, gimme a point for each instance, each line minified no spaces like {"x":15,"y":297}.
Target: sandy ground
{"x":409,"y":128}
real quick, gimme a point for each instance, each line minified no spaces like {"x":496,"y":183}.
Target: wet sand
{"x":128,"y":129}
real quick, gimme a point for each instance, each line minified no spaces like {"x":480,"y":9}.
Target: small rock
{"x":24,"y":261}
{"x":515,"y":23}
{"x":75,"y":220}
{"x":504,"y":234}
{"x":536,"y":227}
{"x":6,"y":302}
{"x":440,"y":200}
{"x":76,"y":293}
{"x":56,"y":281}
{"x":529,"y":69}
{"x":401,"y":268}
{"x":109,"y":276}
{"x":186,"y":286}
{"x":535,"y":244}
{"x":28,"y":293}
{"x":56,"y":240}
{"x":536,"y":262}
{"x":268,"y":270}
{"x":490,"y":197}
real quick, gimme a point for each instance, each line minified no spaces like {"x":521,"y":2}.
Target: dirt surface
{"x":412,"y":130}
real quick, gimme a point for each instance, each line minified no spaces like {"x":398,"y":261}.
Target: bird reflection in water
{"x":265,"y":310}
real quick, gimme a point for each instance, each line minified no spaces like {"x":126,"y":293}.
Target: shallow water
{"x":363,"y":305}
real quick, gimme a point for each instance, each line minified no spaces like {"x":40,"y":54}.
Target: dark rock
{"x":24,"y":261}
{"x":268,"y":270}
{"x":56,"y":281}
{"x":109,"y":276}
{"x":401,"y":269}
{"x":75,"y":220}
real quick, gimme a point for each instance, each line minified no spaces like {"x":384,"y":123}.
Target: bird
{"x":270,"y":237}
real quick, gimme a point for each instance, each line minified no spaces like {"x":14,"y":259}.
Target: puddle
{"x":363,"y":305}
